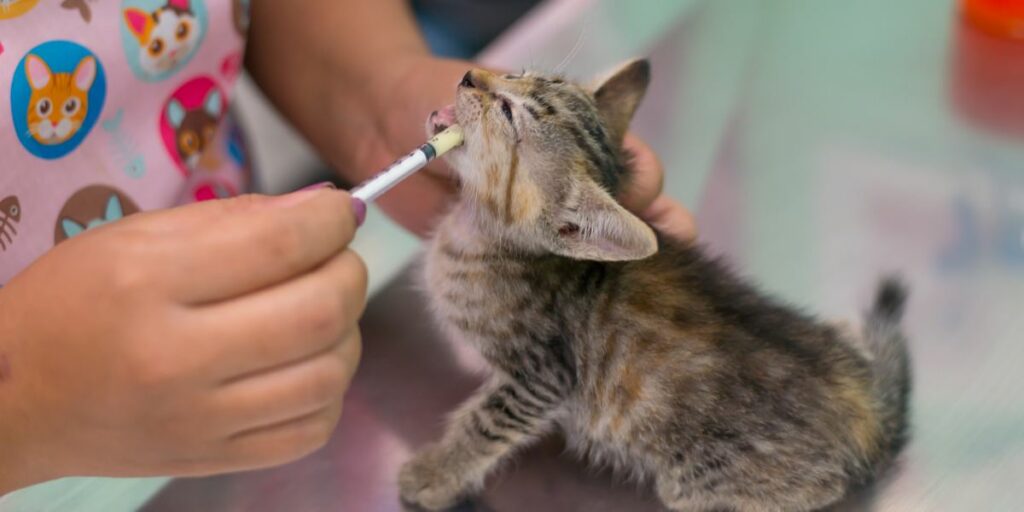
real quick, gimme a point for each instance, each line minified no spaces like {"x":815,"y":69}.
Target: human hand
{"x":213,"y":337}
{"x":422,"y":84}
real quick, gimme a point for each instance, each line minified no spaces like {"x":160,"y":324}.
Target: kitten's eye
{"x":506,"y":108}
{"x":189,"y":142}
{"x":156,"y":47}
{"x":71,"y":106}
{"x":182,"y":31}
{"x":14,"y":211}
{"x":43,"y":107}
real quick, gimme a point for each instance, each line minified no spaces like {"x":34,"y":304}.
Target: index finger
{"x":250,"y":249}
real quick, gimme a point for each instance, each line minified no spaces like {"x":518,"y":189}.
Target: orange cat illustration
{"x":59,"y":101}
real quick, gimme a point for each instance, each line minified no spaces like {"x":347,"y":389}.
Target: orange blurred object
{"x":1003,"y":18}
{"x":987,"y":67}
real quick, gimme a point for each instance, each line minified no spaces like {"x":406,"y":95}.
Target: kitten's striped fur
{"x":663,"y":364}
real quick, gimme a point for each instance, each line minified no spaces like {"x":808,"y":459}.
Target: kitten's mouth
{"x":440,"y":120}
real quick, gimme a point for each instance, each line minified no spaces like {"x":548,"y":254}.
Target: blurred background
{"x":819,"y":142}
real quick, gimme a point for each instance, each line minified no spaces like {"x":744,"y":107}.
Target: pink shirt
{"x":109,"y":108}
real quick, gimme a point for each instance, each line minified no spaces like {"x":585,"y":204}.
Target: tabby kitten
{"x":649,"y":355}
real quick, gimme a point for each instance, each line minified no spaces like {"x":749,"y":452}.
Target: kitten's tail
{"x":891,"y":363}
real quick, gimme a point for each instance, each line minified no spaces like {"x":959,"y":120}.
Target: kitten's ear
{"x":592,"y":226}
{"x":139,"y":23}
{"x":85,"y":73}
{"x":37,"y":71}
{"x":175,"y":113}
{"x":619,"y":95}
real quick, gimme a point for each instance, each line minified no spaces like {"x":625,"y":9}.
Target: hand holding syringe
{"x":404,"y":167}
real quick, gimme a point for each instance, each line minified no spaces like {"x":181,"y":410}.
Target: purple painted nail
{"x":360,"y":210}
{"x":318,"y":186}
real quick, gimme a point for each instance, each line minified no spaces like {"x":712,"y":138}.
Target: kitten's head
{"x":543,"y":158}
{"x":59,"y":101}
{"x":166,"y":36}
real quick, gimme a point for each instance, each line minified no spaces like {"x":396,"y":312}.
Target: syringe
{"x":404,"y":167}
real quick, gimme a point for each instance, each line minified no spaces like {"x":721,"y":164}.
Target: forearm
{"x":333,"y":68}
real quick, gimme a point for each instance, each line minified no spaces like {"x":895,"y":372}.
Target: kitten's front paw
{"x":428,"y":481}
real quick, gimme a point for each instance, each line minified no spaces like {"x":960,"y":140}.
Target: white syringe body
{"x":391,"y":176}
{"x":404,"y":167}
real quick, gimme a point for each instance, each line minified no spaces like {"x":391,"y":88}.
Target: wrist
{"x":381,"y":99}
{"x":395,"y":102}
{"x":21,"y":464}
{"x":15,"y":464}
{"x":365,"y":114}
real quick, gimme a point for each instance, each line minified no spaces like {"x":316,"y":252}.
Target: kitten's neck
{"x":467,"y":229}
{"x":469,"y":226}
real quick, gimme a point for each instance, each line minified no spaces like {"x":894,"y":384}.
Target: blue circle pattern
{"x":61,"y":57}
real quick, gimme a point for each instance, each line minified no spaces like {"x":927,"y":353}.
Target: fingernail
{"x":318,"y":186}
{"x":359,"y":207}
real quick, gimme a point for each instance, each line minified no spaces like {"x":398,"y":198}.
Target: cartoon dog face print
{"x":196,"y":128}
{"x":10,"y":216}
{"x":164,"y":37}
{"x":90,"y":208}
{"x":60,"y":101}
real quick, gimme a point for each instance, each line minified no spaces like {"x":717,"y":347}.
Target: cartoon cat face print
{"x":196,"y":128}
{"x":166,"y":36}
{"x":59,"y":101}
{"x":113,"y":211}
{"x":90,"y":208}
